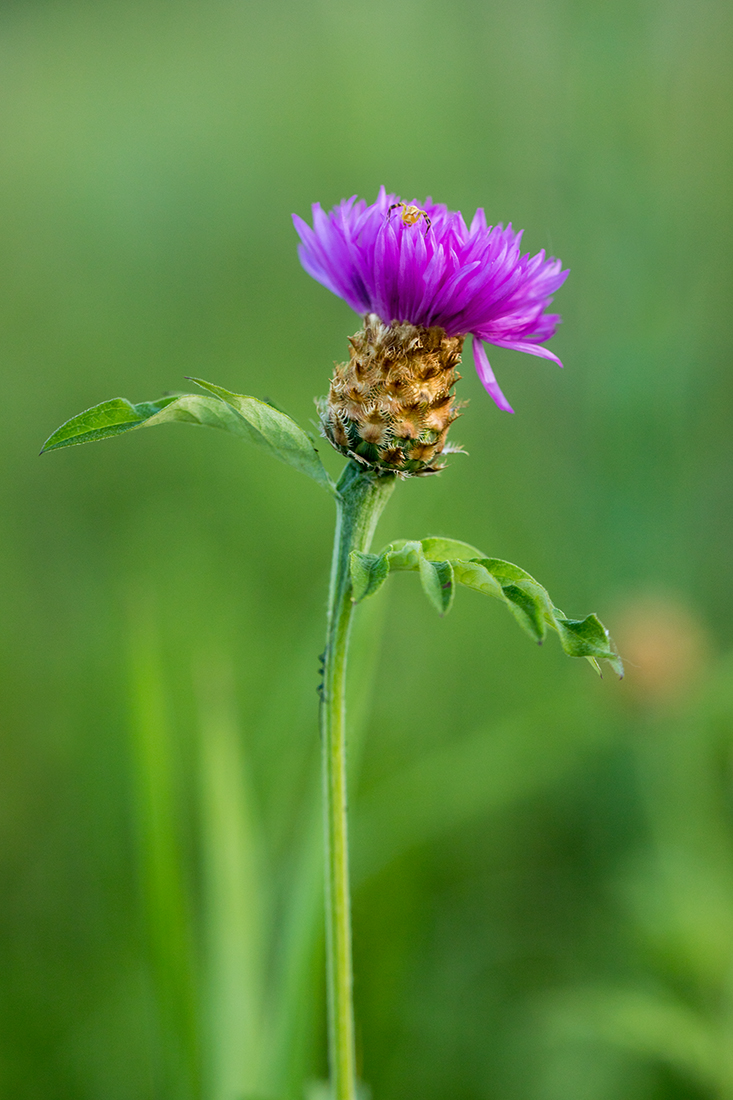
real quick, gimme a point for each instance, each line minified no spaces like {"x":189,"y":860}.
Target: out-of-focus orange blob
{"x":664,"y":646}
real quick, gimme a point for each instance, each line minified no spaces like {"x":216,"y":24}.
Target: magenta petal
{"x":487,"y":376}
{"x":530,"y":349}
{"x":435,"y":271}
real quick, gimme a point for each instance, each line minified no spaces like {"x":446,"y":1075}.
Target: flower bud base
{"x":391,"y":405}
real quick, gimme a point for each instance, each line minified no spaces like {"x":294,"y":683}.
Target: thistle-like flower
{"x":424,"y":281}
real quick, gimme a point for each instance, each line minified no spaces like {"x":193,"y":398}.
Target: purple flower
{"x":423,"y":265}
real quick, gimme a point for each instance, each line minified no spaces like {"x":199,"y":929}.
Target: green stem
{"x":362,"y":496}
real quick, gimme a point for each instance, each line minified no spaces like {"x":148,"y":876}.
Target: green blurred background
{"x":543,"y":861}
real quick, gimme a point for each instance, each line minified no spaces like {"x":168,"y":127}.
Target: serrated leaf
{"x":245,"y":417}
{"x":436,"y":578}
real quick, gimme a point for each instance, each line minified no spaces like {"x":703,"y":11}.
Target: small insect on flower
{"x":410,"y":214}
{"x":467,"y":280}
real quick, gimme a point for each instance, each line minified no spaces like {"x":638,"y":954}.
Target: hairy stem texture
{"x":362,"y":496}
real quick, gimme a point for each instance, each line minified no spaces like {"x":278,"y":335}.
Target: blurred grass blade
{"x":246,"y":417}
{"x":486,"y":772}
{"x":654,"y":1025}
{"x":235,"y":898}
{"x":162,"y":863}
{"x":297,"y":1001}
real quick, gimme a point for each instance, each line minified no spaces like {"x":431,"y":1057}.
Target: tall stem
{"x":362,"y":496}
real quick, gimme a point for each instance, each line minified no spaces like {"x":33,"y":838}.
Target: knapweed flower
{"x":425,"y":281}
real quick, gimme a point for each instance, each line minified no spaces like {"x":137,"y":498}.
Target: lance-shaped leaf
{"x":246,"y":417}
{"x":442,"y":563}
{"x":275,"y":431}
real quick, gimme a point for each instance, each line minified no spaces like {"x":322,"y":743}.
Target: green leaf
{"x":525,"y":598}
{"x":584,"y":637}
{"x":439,"y":549}
{"x":109,"y":418}
{"x":275,"y":431}
{"x":472,"y":574}
{"x":526,"y":609}
{"x":404,"y":554}
{"x":368,"y":573}
{"x":246,"y":417}
{"x":436,"y":578}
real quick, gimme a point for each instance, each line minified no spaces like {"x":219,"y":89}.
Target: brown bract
{"x":392,"y":404}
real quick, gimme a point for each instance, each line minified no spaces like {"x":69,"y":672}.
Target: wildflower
{"x":425,"y":281}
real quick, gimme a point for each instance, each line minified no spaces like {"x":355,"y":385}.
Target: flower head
{"x":424,"y":266}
